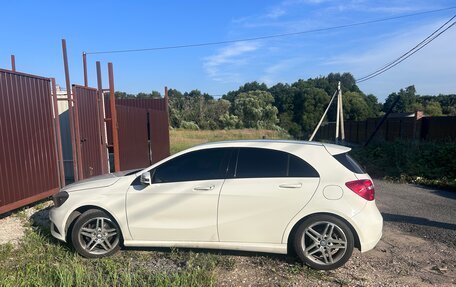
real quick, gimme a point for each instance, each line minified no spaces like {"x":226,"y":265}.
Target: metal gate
{"x":133,"y":137}
{"x":145,"y":119}
{"x":29,"y":169}
{"x":90,"y":142}
{"x":159,"y":135}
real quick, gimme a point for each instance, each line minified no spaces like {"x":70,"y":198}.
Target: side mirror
{"x":146,"y":178}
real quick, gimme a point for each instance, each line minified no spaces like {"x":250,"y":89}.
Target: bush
{"x":421,"y":162}
{"x":189,"y":126}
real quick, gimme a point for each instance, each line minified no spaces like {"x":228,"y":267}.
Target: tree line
{"x":295,"y":108}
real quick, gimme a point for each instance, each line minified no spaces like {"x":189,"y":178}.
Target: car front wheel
{"x":95,"y":234}
{"x":324,"y":242}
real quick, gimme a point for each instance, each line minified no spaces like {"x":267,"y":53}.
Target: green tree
{"x":255,"y":110}
{"x":355,"y":106}
{"x":310,"y":104}
{"x":433,"y":109}
{"x":407,"y":101}
{"x":247,"y":87}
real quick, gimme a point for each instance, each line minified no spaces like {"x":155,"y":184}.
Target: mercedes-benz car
{"x":271,"y":196}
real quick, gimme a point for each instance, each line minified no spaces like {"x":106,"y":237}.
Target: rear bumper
{"x":369,"y":226}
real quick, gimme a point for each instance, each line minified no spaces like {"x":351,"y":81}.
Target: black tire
{"x":321,"y":247}
{"x":95,"y":234}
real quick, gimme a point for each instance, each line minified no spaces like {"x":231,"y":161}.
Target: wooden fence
{"x":396,"y":128}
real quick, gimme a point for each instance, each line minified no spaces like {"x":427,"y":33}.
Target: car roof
{"x":331,"y":148}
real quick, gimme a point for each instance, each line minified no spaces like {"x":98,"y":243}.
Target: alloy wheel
{"x":98,"y":236}
{"x":324,"y":243}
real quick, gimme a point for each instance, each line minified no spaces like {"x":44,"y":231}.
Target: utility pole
{"x":338,"y":112}
{"x":339,"y":118}
{"x":342,"y":128}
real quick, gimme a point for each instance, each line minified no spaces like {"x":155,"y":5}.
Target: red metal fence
{"x":29,"y":169}
{"x":158,"y":124}
{"x":155,"y":124}
{"x":31,"y":161}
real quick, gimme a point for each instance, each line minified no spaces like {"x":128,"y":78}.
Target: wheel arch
{"x":74,"y":215}
{"x":292,"y":233}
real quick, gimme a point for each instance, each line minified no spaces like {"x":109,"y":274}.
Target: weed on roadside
{"x":42,"y":261}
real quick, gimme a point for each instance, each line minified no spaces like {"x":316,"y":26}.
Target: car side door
{"x":266,"y":190}
{"x":181,"y":203}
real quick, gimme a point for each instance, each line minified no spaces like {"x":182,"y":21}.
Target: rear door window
{"x":260,"y":163}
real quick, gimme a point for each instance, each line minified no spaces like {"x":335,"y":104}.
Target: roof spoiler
{"x":334,"y":149}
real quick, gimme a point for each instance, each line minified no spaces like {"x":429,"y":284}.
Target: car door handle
{"x":290,"y":185}
{"x":204,"y":188}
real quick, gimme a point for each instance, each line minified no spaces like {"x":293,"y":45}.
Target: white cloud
{"x":275,"y":13}
{"x":219,"y":66}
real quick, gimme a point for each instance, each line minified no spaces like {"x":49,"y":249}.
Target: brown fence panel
{"x":28,"y":159}
{"x":156,"y":122}
{"x":89,"y":130}
{"x":133,"y":137}
{"x":159,"y":135}
{"x":405,"y":128}
{"x":152,"y":104}
{"x":438,"y":128}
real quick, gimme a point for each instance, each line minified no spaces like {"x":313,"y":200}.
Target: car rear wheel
{"x":324,"y":242}
{"x":95,"y":234}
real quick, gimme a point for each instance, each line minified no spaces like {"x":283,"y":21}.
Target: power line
{"x":410,"y":52}
{"x":269,"y":36}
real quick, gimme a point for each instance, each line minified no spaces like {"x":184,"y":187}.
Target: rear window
{"x":349,"y":162}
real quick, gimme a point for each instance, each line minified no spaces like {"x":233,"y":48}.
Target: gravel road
{"x":425,"y":212}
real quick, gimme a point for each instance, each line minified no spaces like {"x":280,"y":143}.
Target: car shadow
{"x":417,"y":220}
{"x":40,"y":219}
{"x":443,"y":193}
{"x":40,"y":222}
{"x":286,"y":258}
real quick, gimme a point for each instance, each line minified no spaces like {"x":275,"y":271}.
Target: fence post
{"x":84,"y":67}
{"x":58,"y":138}
{"x":13,"y":63}
{"x":78,"y":135}
{"x":112,"y":102}
{"x":101,"y":122}
{"x":70,"y":111}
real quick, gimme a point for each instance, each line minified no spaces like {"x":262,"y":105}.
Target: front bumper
{"x":369,"y":226}
{"x":57,"y":219}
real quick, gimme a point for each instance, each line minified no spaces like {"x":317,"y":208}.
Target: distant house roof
{"x":417,"y":114}
{"x":401,"y":115}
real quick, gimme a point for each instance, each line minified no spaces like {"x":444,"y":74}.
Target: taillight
{"x":363,"y":188}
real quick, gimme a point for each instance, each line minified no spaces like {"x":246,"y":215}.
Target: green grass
{"x":182,"y":139}
{"x":42,"y":261}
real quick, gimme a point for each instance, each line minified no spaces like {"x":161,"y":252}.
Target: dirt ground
{"x":398,"y":260}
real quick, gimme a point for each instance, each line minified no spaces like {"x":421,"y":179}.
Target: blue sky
{"x":34,"y":30}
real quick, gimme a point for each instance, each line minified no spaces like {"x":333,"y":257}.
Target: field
{"x":182,"y":139}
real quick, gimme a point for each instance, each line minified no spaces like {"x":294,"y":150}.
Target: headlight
{"x":59,"y":198}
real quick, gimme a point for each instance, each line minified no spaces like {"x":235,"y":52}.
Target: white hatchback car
{"x":266,"y":196}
